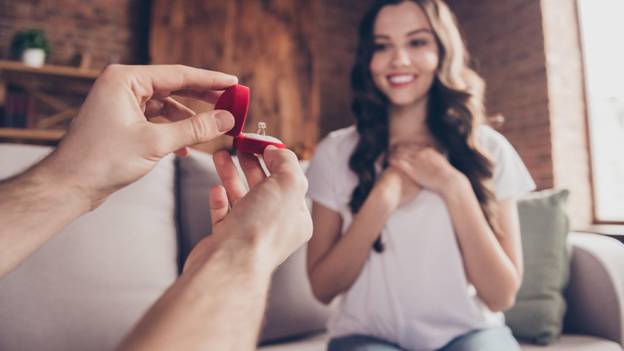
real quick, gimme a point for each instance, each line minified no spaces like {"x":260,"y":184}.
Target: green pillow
{"x":537,"y":316}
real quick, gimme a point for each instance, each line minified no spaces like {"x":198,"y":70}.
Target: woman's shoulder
{"x":511,"y":177}
{"x":343,"y":135}
{"x":340,"y":142}
{"x":328,"y":172}
{"x":493,"y":142}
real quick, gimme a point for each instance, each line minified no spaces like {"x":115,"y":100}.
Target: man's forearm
{"x":34,"y":206}
{"x":218,"y":306}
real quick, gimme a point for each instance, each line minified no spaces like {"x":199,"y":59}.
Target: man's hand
{"x":218,"y":302}
{"x":270,"y":221}
{"x":112,"y":143}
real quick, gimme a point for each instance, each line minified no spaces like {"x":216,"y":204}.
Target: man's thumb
{"x":200,"y":128}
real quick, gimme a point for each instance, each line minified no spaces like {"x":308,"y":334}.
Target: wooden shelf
{"x":51,"y":70}
{"x":9,"y":70}
{"x":31,"y":134}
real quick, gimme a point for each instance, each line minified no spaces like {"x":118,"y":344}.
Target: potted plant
{"x":31,"y":46}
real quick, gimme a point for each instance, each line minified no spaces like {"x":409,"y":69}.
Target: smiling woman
{"x":415,"y":218}
{"x":406,"y":55}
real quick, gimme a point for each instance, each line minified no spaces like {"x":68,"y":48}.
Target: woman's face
{"x":405,"y":55}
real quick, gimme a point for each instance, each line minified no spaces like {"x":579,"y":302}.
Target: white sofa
{"x":86,"y":288}
{"x":595,"y":297}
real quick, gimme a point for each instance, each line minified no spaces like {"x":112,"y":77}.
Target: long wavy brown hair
{"x":455,"y":109}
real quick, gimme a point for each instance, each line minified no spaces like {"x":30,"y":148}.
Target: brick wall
{"x":528,"y":51}
{"x":110,"y":30}
{"x":505,"y":38}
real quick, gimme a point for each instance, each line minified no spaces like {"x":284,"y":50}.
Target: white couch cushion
{"x":89,"y":285}
{"x":576,"y":343}
{"x":565,"y":343}
{"x":316,"y":342}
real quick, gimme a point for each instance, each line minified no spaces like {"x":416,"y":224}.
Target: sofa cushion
{"x":87,"y":287}
{"x":576,"y":343}
{"x":291,"y":308}
{"x":314,"y":342}
{"x":195,"y":174}
{"x":595,"y":292}
{"x":537,"y":316}
{"x":318,"y":342}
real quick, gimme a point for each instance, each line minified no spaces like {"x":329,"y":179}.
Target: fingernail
{"x":234,"y":79}
{"x":220,"y":157}
{"x":183,"y":152}
{"x":225,"y":121}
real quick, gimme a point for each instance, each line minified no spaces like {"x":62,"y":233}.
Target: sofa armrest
{"x":595,"y":293}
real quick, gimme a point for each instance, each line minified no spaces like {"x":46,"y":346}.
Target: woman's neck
{"x":409,"y":123}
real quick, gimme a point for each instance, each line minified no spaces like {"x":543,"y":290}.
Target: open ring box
{"x":236,"y":100}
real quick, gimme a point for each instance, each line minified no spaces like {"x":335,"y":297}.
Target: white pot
{"x":33,"y":57}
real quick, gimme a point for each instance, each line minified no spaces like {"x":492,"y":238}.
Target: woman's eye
{"x":417,"y":43}
{"x":380,"y":47}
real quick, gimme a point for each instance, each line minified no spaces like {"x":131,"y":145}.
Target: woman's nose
{"x":401,"y":58}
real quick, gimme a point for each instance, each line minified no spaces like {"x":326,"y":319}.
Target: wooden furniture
{"x":31,"y":134}
{"x":269,"y":45}
{"x":51,"y":70}
{"x":55,"y":88}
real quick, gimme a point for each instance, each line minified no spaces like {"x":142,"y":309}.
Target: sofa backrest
{"x":87,"y":287}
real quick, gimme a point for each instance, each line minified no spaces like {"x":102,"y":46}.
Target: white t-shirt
{"x":415,"y":293}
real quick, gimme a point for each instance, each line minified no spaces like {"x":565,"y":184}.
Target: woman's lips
{"x":400,"y":80}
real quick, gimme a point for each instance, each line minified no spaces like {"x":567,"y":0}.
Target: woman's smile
{"x":401,"y":80}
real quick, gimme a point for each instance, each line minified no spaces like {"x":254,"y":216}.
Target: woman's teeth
{"x":401,"y":79}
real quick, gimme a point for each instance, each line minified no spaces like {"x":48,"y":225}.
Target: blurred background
{"x":553,"y":69}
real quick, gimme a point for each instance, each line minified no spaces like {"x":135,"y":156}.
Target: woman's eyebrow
{"x":410,"y":33}
{"x":418,"y":31}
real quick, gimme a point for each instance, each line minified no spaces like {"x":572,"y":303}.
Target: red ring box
{"x":236,"y":100}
